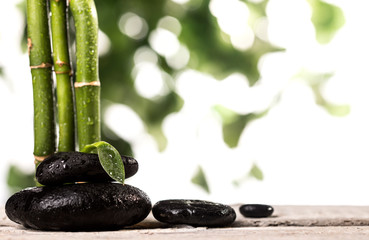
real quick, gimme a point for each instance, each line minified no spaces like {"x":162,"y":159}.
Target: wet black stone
{"x":76,"y":207}
{"x":256,"y":210}
{"x":193,"y":212}
{"x":69,"y":167}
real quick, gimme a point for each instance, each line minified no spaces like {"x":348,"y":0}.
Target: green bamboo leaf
{"x":110,"y":159}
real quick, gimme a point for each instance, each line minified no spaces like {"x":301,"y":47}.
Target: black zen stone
{"x":69,"y":167}
{"x":76,"y":207}
{"x":194,"y":212}
{"x":256,"y":210}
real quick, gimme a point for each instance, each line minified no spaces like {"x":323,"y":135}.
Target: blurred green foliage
{"x":316,"y":82}
{"x":200,"y":34}
{"x":327,"y":19}
{"x":254,"y":173}
{"x":211,"y":52}
{"x":18,"y":179}
{"x":234,"y":123}
{"x":200,"y":180}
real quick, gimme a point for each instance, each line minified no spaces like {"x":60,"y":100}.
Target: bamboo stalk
{"x":87,"y":85}
{"x":62,"y":70}
{"x":39,"y":51}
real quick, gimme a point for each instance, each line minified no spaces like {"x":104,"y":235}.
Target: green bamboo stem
{"x":87,"y":84}
{"x":62,"y":70}
{"x":39,"y":50}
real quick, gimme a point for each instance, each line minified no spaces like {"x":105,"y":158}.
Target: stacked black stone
{"x":63,"y":205}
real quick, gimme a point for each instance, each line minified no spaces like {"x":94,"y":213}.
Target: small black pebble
{"x":196,"y":213}
{"x":77,"y":207}
{"x":69,"y":167}
{"x":256,"y":210}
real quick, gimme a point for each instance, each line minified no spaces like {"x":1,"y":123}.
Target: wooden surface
{"x":287,"y":222}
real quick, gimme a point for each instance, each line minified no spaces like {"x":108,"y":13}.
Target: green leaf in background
{"x":22,"y":6}
{"x":110,"y":159}
{"x":122,"y":146}
{"x":254,"y":173}
{"x":316,"y":81}
{"x":200,"y":180}
{"x":234,"y":123}
{"x":18,"y":180}
{"x":327,"y":20}
{"x":337,"y":110}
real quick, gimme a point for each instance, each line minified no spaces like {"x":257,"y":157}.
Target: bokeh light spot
{"x":179,"y":59}
{"x":145,"y":54}
{"x":180,"y":1}
{"x":133,"y":26}
{"x":164,"y":42}
{"x":103,"y":44}
{"x":149,"y":81}
{"x":171,"y":24}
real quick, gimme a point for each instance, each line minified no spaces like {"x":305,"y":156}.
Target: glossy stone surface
{"x":256,"y":210}
{"x":70,"y":167}
{"x":76,"y":207}
{"x":194,"y":212}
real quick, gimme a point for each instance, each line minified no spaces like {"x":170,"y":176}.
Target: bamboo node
{"x":42,"y":65}
{"x":60,"y":63}
{"x":82,"y":84}
{"x":29,"y":45}
{"x":39,"y":159}
{"x":69,"y":72}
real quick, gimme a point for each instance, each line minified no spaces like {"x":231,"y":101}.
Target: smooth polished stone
{"x":194,"y":212}
{"x":76,"y":207}
{"x":256,"y":210}
{"x":70,"y":167}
